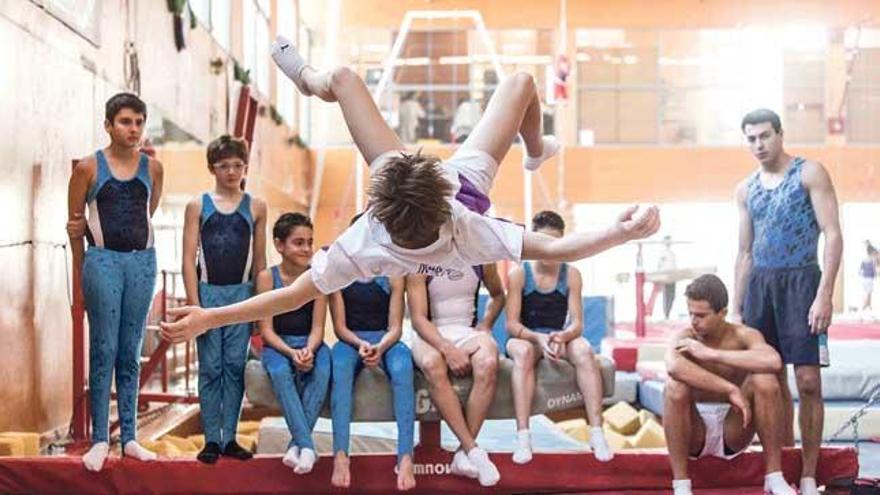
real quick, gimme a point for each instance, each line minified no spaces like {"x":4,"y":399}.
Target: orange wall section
{"x":619,"y":13}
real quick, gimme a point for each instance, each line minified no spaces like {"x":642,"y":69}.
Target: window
{"x":692,"y":86}
{"x":201,"y":9}
{"x":213,"y":15}
{"x":285,"y":92}
{"x":255,"y":44}
{"x":445,"y":73}
{"x":220,"y":13}
{"x":863,"y":99}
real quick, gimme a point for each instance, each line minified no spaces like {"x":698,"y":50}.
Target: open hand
{"x":820,"y":314}
{"x":695,"y":349}
{"x":76,"y":226}
{"x":634,"y":223}
{"x":738,"y":400}
{"x":190,"y":322}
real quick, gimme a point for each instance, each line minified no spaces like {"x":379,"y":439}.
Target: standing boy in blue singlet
{"x":545,"y":319}
{"x":780,"y":288}
{"x":224,"y":246}
{"x":121,"y":188}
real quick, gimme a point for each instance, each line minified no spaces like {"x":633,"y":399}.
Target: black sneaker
{"x":233,"y":449}
{"x":210,"y":453}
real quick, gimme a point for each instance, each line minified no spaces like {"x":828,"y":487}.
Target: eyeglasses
{"x":226,"y":167}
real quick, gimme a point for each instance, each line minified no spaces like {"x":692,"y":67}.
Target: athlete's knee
{"x":485,"y":366}
{"x":808,"y":382}
{"x":766,"y":385}
{"x":580,"y":352}
{"x":341,"y":76}
{"x":522,"y":353}
{"x":434,"y":368}
{"x":524,"y":81}
{"x":677,"y":392}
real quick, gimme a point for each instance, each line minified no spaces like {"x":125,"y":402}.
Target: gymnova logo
{"x":432,"y":468}
{"x":565,"y":400}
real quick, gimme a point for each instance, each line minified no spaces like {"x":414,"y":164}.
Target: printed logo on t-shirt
{"x":438,"y":271}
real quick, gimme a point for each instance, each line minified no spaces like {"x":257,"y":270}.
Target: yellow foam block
{"x":248,"y":427}
{"x":11,"y":446}
{"x":622,"y":418}
{"x":616,"y":440}
{"x":182,"y":444}
{"x":30,"y":441}
{"x":248,"y":442}
{"x":649,"y":436}
{"x":576,"y":429}
{"x":197,"y":440}
{"x":645,"y":416}
{"x":163,"y":448}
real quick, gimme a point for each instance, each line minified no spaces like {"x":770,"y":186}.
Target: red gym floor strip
{"x":636,"y":472}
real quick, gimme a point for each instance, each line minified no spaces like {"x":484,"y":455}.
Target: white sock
{"x":462,"y":466}
{"x":551,"y":146}
{"x":599,"y":445}
{"x":134,"y":449}
{"x":94,"y":459}
{"x":808,"y":486}
{"x":306,"y":461}
{"x":291,"y":458}
{"x":522,"y":454}
{"x":681,"y":487}
{"x":775,"y":483}
{"x":487,"y":473}
{"x":289,"y":60}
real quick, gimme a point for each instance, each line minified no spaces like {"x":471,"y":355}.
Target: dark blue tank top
{"x":119,"y":210}
{"x":786,"y":232}
{"x":366,"y":304}
{"x":543,"y":310}
{"x":297,"y":322}
{"x":226,"y":243}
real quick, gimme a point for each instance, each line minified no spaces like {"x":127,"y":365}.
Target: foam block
{"x":649,"y":436}
{"x":30,"y":441}
{"x":625,"y":357}
{"x":622,"y":418}
{"x":576,"y":428}
{"x":163,"y":448}
{"x":652,"y":351}
{"x":248,"y":442}
{"x":248,"y":427}
{"x":11,"y":446}
{"x":182,"y":444}
{"x":646,"y":416}
{"x":197,"y":440}
{"x":617,"y":441}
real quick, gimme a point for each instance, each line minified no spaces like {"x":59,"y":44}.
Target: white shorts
{"x":478,"y":166}
{"x":713,"y":415}
{"x":867,"y":285}
{"x":459,"y":335}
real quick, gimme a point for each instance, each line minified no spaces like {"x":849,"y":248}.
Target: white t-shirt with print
{"x":365,"y":249}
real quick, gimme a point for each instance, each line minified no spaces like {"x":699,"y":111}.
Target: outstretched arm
{"x":572,"y":247}
{"x":193,"y":321}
